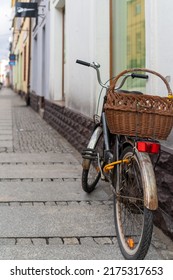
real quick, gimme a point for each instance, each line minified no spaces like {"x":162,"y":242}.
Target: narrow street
{"x":44,"y":214}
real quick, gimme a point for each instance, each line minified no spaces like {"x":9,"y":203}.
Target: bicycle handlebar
{"x":96,"y":66}
{"x":141,"y":76}
{"x":83,"y":62}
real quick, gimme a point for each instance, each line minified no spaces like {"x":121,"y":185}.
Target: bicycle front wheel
{"x":91,"y":175}
{"x":133,"y":221}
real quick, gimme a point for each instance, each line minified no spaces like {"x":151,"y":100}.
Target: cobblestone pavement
{"x":44,"y":214}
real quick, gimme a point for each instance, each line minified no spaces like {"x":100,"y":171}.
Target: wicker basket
{"x":139,"y":115}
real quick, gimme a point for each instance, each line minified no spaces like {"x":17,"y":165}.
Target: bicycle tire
{"x":91,"y":176}
{"x":133,"y":221}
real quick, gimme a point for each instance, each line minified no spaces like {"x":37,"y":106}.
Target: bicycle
{"x":124,"y":161}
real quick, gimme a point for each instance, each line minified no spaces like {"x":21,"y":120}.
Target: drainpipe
{"x":29,"y":65}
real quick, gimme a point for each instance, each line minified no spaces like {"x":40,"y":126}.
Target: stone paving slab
{"x":5,"y":123}
{"x":38,"y":157}
{"x":67,"y":252}
{"x":5,"y":92}
{"x":6,"y":143}
{"x":5,"y":117}
{"x":50,"y":191}
{"x":40,"y":171}
{"x":66,"y":221}
{"x":5,"y":127}
{"x":5,"y":132}
{"x":5,"y":107}
{"x":6,"y":137}
{"x":5,"y":103}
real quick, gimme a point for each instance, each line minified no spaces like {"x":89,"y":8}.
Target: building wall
{"x":56,"y":49}
{"x":40,"y":52}
{"x":86,"y":38}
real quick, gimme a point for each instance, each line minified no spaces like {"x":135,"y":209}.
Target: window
{"x":127,"y":35}
{"x":138,"y":9}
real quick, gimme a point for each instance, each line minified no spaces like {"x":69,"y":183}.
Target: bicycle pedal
{"x":89,"y":154}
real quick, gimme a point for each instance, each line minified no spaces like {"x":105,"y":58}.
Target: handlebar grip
{"x":140,"y":76}
{"x":83,"y":62}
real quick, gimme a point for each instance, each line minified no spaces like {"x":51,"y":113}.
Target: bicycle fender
{"x":149,"y":181}
{"x":91,"y":145}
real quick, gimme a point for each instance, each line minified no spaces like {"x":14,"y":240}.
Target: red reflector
{"x":148,"y":147}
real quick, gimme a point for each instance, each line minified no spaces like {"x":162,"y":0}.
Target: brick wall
{"x":75,"y":127}
{"x":34,"y":101}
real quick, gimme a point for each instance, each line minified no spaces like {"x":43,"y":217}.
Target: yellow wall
{"x":21,"y":44}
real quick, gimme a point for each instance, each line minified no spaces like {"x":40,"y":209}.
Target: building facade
{"x":20,"y":47}
{"x":118,"y":35}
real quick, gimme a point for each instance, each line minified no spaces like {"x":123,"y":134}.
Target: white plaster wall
{"x":37,"y":64}
{"x":87,"y":38}
{"x":159,"y":42}
{"x":34,"y":64}
{"x":40,"y":86}
{"x":46,"y":64}
{"x":55,"y":89}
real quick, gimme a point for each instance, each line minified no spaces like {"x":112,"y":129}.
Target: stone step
{"x":54,"y":221}
{"x":40,"y":171}
{"x":37,"y":157}
{"x":90,"y":251}
{"x":51,"y":191}
{"x":57,"y":252}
